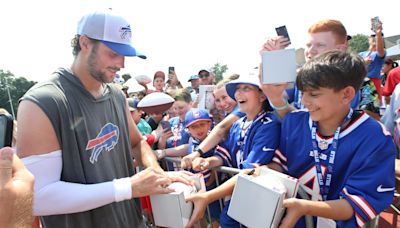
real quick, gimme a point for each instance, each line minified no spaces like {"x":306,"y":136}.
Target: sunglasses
{"x":204,"y":75}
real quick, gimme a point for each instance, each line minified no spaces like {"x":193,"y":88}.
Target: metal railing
{"x":233,"y":171}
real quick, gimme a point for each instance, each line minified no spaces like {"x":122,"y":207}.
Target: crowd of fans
{"x":335,"y":107}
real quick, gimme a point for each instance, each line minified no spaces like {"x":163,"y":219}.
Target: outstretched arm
{"x":333,"y":209}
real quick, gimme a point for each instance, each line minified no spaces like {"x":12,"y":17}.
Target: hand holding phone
{"x":171,"y":70}
{"x":171,"y":73}
{"x":375,"y":23}
{"x":6,"y":130}
{"x":165,"y":125}
{"x":282,"y":31}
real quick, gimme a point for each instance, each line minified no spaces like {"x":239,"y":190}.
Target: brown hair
{"x":329,"y":25}
{"x":333,"y":69}
{"x":182,"y":95}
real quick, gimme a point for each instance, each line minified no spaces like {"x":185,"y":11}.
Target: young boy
{"x":343,"y":158}
{"x":199,"y":123}
{"x":252,"y":141}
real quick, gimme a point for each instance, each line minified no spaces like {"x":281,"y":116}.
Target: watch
{"x":197,"y":149}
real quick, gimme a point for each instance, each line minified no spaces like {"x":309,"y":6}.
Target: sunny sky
{"x":190,"y":35}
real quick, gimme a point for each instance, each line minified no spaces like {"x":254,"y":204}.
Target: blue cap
{"x":243,"y":79}
{"x":195,"y":115}
{"x":193,"y":77}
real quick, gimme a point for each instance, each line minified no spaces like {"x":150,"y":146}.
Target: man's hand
{"x":180,"y":176}
{"x":163,"y":138}
{"x":200,"y":164}
{"x":200,"y":203}
{"x":16,"y":190}
{"x":149,"y":182}
{"x":295,"y":209}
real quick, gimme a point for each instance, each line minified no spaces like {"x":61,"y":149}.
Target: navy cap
{"x":195,"y":115}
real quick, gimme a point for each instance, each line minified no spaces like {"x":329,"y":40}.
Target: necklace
{"x":246,"y":126}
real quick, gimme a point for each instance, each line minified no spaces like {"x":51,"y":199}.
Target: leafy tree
{"x":359,"y":43}
{"x":218,"y":70}
{"x":12,"y":89}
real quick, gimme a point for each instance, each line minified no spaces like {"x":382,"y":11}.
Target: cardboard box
{"x":171,"y":210}
{"x":257,"y":201}
{"x":279,"y":66}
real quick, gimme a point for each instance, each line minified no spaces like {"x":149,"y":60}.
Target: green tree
{"x":12,"y":89}
{"x":358,"y":43}
{"x":218,"y":70}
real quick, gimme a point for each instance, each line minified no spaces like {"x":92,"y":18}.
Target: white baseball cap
{"x":113,"y":30}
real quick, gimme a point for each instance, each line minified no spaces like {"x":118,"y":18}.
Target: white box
{"x":171,"y":210}
{"x":257,"y":201}
{"x":279,"y":66}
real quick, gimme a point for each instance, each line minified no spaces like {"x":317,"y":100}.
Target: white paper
{"x":279,"y":66}
{"x":206,"y":97}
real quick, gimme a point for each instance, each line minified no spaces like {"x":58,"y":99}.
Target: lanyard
{"x":324,"y":185}
{"x":243,"y":137}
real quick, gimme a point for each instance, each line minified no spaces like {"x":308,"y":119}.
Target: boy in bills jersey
{"x":252,"y":141}
{"x":199,"y":123}
{"x":343,"y":158}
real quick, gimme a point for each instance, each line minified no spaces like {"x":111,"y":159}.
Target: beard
{"x":92,"y":67}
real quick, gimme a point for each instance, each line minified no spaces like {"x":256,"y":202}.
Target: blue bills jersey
{"x":363,"y":171}
{"x":257,"y":147}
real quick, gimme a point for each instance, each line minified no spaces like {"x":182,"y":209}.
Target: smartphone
{"x":282,"y":31}
{"x":171,"y":70}
{"x":165,"y":125}
{"x":374,"y":23}
{"x":6,"y":130}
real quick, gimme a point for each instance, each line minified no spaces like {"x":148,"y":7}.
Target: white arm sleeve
{"x":52,"y":196}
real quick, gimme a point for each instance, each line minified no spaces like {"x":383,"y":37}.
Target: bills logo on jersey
{"x":105,"y":140}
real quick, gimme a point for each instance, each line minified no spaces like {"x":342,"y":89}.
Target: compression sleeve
{"x":53,"y":196}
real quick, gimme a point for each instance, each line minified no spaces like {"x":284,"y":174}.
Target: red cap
{"x":159,"y":74}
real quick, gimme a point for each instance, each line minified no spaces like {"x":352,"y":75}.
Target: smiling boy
{"x":343,"y":158}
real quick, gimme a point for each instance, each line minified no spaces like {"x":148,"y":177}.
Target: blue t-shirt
{"x":374,"y":68}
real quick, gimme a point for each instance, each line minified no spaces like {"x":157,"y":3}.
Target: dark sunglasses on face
{"x":204,"y":75}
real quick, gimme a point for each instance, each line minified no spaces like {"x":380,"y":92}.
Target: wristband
{"x":197,"y":149}
{"x":122,"y":189}
{"x":285,"y":106}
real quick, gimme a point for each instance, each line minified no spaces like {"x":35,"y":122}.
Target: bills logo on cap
{"x":196,"y":114}
{"x":126,"y":32}
{"x":106,"y":139}
{"x":111,"y":29}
